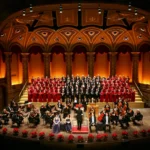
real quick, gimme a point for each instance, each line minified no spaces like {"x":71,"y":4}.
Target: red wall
{"x":145,"y":68}
{"x":2,"y":67}
{"x":79,"y":65}
{"x":36,"y":66}
{"x":101,"y":65}
{"x":16,"y":69}
{"x":124,"y":65}
{"x":57,"y":66}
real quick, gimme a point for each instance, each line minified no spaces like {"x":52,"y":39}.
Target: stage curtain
{"x":57,"y":66}
{"x":79,"y":65}
{"x":146,"y":68}
{"x":2,"y":66}
{"x":36,"y":66}
{"x":101,"y":65}
{"x":124,"y":65}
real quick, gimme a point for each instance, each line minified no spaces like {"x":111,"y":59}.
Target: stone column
{"x":47,"y":64}
{"x":25,"y":58}
{"x":113,"y":60}
{"x":90,"y":59}
{"x":68,"y":58}
{"x":135,"y":66}
{"x":8,"y":69}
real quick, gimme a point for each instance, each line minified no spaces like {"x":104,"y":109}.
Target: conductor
{"x":79,"y":118}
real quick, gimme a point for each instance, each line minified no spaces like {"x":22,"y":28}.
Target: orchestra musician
{"x":92,"y":122}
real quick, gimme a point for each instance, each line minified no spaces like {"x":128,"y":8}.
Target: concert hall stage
{"x":109,"y":143}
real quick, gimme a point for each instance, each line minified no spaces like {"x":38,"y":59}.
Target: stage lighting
{"x":24,"y":13}
{"x":129,"y":7}
{"x":79,"y":6}
{"x":31,"y":8}
{"x":99,"y":10}
{"x":135,"y":12}
{"x":60,"y":9}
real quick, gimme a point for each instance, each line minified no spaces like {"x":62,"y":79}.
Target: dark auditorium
{"x":74,"y":74}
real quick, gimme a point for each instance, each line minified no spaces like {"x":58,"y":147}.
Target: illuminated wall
{"x":57,"y":66}
{"x":16,"y":69}
{"x":2,"y":66}
{"x":146,"y":67}
{"x":79,"y":65}
{"x":101,"y":65}
{"x":124,"y":65}
{"x":36,"y":66}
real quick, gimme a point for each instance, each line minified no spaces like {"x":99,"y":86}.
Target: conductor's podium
{"x":95,"y":107}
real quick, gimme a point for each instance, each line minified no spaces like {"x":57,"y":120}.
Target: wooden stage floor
{"x":117,"y":129}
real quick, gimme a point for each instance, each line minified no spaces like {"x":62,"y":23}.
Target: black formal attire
{"x":79,"y":118}
{"x":106,"y":123}
{"x":92,"y":122}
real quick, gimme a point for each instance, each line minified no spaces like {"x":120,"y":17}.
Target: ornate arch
{"x":37,"y":45}
{"x":141,"y":44}
{"x":57,"y":44}
{"x":124,"y":43}
{"x":15,"y":44}
{"x":77,"y":44}
{"x":101,"y":44}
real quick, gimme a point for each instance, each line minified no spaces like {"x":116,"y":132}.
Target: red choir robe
{"x":102,"y":96}
{"x":49,"y":96}
{"x":29,"y":96}
{"x":40,"y":97}
{"x":34,"y":96}
{"x":44,"y":97}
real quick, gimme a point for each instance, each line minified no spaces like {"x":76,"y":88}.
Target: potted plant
{"x":41,"y":135}
{"x":143,"y":132}
{"x":135,"y":133}
{"x":4,"y":131}
{"x":15,"y":131}
{"x":70,"y":138}
{"x":24,"y":133}
{"x":99,"y":137}
{"x":114,"y":136}
{"x":148,"y":132}
{"x":105,"y":136}
{"x":80,"y":139}
{"x":124,"y":134}
{"x":51,"y":136}
{"x":60,"y":138}
{"x":33,"y":134}
{"x":90,"y":137}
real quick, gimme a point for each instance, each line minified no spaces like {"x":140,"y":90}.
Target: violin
{"x":100,"y":117}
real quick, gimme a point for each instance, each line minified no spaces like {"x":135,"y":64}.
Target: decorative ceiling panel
{"x":68,"y":17}
{"x":45,"y":19}
{"x":114,"y":18}
{"x":91,"y":17}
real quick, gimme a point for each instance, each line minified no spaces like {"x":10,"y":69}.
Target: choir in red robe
{"x":115,"y":87}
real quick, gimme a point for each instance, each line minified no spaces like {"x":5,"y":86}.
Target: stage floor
{"x":117,"y":129}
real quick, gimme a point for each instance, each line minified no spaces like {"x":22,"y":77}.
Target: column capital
{"x":68,"y":53}
{"x":113,"y":53}
{"x":7,"y":53}
{"x":135,"y":53}
{"x":90,"y":53}
{"x":25,"y":54}
{"x":47,"y":54}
